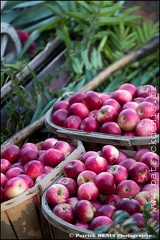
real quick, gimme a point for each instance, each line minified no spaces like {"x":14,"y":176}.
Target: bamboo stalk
{"x":103,"y":75}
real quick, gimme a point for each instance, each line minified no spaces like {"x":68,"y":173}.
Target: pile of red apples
{"x":23,"y":167}
{"x":97,"y":185}
{"x":129,"y":111}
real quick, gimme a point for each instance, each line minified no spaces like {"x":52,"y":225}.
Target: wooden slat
{"x":6,"y":228}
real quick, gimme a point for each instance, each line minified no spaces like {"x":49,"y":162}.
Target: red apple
{"x":62,"y":104}
{"x":11,"y":153}
{"x":143,"y":198}
{"x":4,"y":180}
{"x":128,"y":119}
{"x":154,"y":101}
{"x":100,"y":221}
{"x":48,"y":143}
{"x":14,"y":187}
{"x":127,"y":163}
{"x":139,"y":219}
{"x":127,"y":188}
{"x":64,"y":147}
{"x":129,"y":133}
{"x":82,"y":225}
{"x":57,"y":193}
{"x":76,"y":97}
{"x":13,"y":172}
{"x":154,"y":190}
{"x":145,"y":110}
{"x":88,"y":191}
{"x":28,"y":179}
{"x":130,"y":105}
{"x":122,"y":96}
{"x":105,"y":210}
{"x":139,"y":172}
{"x":72,"y":201}
{"x":79,"y":109}
{"x":122,"y":156}
{"x":106,"y":113}
{"x":96,"y":204}
{"x":138,"y":100}
{"x":113,"y":199}
{"x":70,"y":184}
{"x":89,"y":124}
{"x":157,"y":121}
{"x":28,"y":155}
{"x":130,"y":88}
{"x":105,"y":183}
{"x":53,"y":157}
{"x":105,"y":96}
{"x":129,"y":205}
{"x":5,"y":165}
{"x":146,"y":90}
{"x":151,"y":159}
{"x":34,"y":168}
{"x":40,"y":177}
{"x":58,"y":117}
{"x":73,"y":168}
{"x":110,"y":153}
{"x":119,"y":173}
{"x":17,"y":164}
{"x":84,"y":211}
{"x":88,"y":154}
{"x":72,"y":122}
{"x":48,"y":169}
{"x":28,"y":145}
{"x":154,"y":178}
{"x":146,"y":127}
{"x":139,"y":153}
{"x":2,"y":197}
{"x":96,"y":164}
{"x":86,"y":176}
{"x":92,"y":100}
{"x":113,"y":103}
{"x":65,"y":212}
{"x":110,"y":128}
{"x":93,"y":113}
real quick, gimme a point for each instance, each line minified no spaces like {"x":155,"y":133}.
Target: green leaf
{"x":77,"y":15}
{"x":85,"y":59}
{"x":86,"y":6}
{"x":77,"y":66}
{"x":119,"y":216}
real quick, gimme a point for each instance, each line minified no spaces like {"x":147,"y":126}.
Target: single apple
{"x":34,"y":168}
{"x":93,"y":113}
{"x":11,"y":152}
{"x":106,"y":113}
{"x":111,"y":128}
{"x":128,"y":119}
{"x":129,"y":87}
{"x":5,"y":165}
{"x":139,"y":172}
{"x":86,"y":176}
{"x":139,"y":219}
{"x":70,"y":184}
{"x":127,"y":163}
{"x":88,"y":191}
{"x":28,"y":155}
{"x":105,"y":210}
{"x":40,"y":177}
{"x":89,"y":154}
{"x":138,"y":100}
{"x":28,"y":179}
{"x":139,"y":153}
{"x":63,"y":146}
{"x":4,"y":180}
{"x":119,"y":173}
{"x":129,"y":205}
{"x":89,"y":124}
{"x":73,"y":122}
{"x":72,"y":202}
{"x":113,"y":199}
{"x":48,"y":169}
{"x":53,"y":157}
{"x":110,"y":153}
{"x":96,"y":204}
{"x":16,"y":164}
{"x":154,"y":101}
{"x":113,"y":103}
{"x":100,"y":221}
{"x":57,"y":193}
{"x":143,"y":197}
{"x":122,"y":156}
{"x":104,"y":96}
{"x":146,"y":90}
{"x":62,"y":104}
{"x":146,"y":110}
{"x":48,"y":143}
{"x":154,"y":178}
{"x":82,"y":225}
{"x":122,"y":96}
{"x":29,"y":145}
{"x":59,"y":116}
{"x":154,"y":190}
{"x":127,"y":188}
{"x":78,"y":109}
{"x":146,"y":127}
{"x":92,"y":100}
{"x":130,"y":105}
{"x":65,"y":212}
{"x":84,"y":211}
{"x":105,"y":183}
{"x":73,"y":168}
{"x":96,"y":164}
{"x":14,"y":187}
{"x":151,"y":159}
{"x":76,"y":97}
{"x":129,"y":133}
{"x":14,"y":172}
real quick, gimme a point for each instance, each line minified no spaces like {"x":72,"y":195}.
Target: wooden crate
{"x":21,"y":217}
{"x":60,"y":229}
